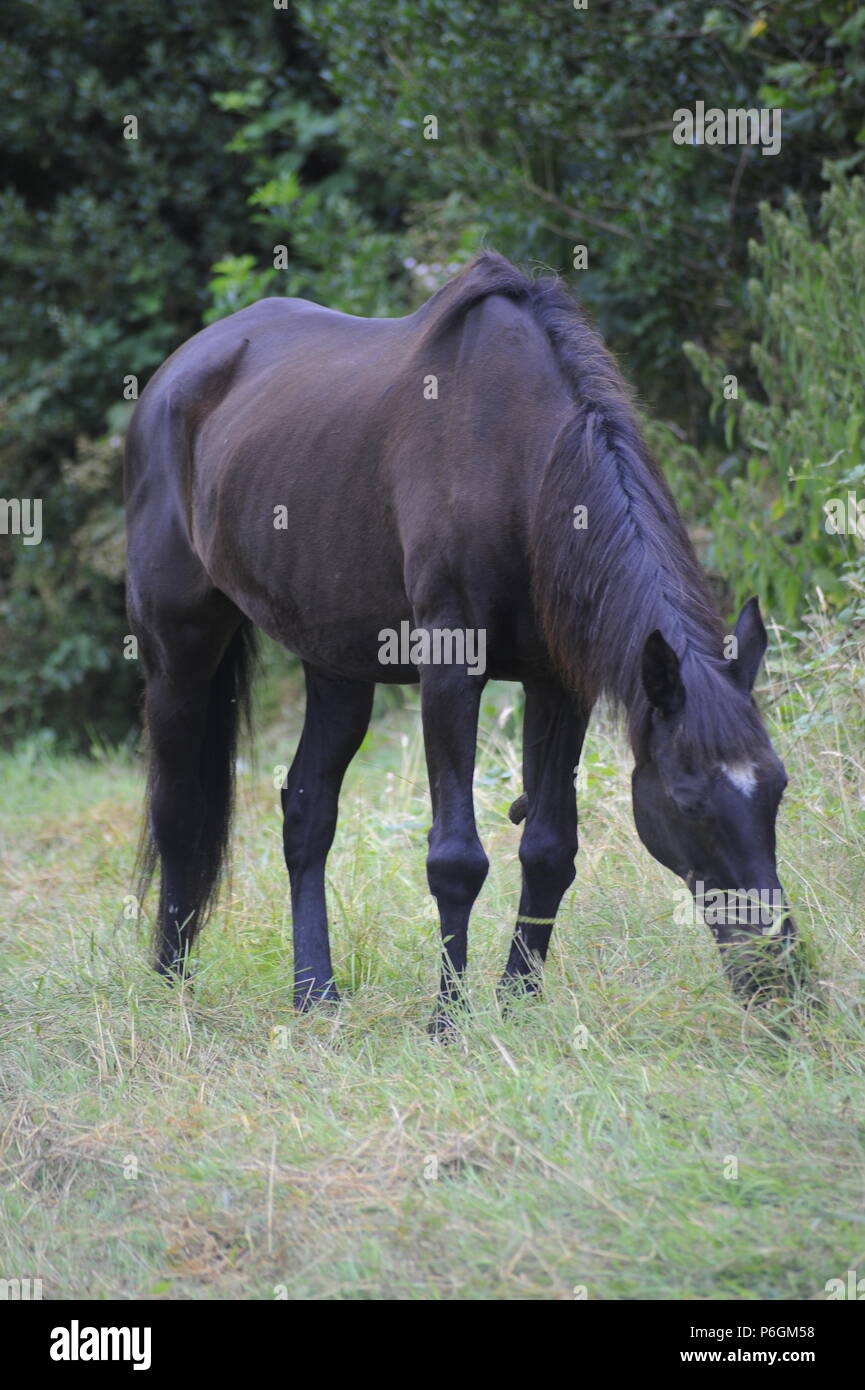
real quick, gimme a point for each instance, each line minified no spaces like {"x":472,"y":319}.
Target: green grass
{"x":156,"y":1143}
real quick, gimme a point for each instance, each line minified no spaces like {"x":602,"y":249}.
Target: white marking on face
{"x":742,"y":776}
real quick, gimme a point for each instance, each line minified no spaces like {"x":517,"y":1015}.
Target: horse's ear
{"x":661,"y":679}
{"x":751,"y":644}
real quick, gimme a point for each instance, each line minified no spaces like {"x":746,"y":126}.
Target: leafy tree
{"x":555,"y":129}
{"x":303,"y":127}
{"x":782,"y":522}
{"x":108,"y":245}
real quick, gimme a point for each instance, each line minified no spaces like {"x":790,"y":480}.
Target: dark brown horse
{"x":472,"y":471}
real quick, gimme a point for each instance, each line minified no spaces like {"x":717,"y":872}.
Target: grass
{"x":634,"y":1134}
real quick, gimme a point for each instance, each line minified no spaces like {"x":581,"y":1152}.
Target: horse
{"x":474,"y":466}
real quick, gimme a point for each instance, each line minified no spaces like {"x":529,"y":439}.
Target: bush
{"x":804,"y":443}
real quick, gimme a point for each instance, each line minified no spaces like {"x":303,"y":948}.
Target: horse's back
{"x":218,"y":355}
{"x":320,"y":468}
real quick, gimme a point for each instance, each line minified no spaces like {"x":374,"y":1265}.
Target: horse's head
{"x":712,"y":819}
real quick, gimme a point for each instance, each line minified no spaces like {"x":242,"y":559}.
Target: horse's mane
{"x":599,"y":592}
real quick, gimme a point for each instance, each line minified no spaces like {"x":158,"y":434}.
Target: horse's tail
{"x":228,"y":708}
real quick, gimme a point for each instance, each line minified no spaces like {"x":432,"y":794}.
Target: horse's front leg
{"x":553,"y":732}
{"x":456,"y":862}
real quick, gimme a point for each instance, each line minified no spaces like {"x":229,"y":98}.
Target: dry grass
{"x":215,"y":1145}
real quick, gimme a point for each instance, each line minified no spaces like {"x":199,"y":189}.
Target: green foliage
{"x":62,"y":610}
{"x":329,"y":240}
{"x":804,"y":444}
{"x":108,"y":244}
{"x":303,"y":128}
{"x":554,"y":129}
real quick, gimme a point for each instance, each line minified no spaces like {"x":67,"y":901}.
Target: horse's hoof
{"x":313,"y":996}
{"x":176,"y":971}
{"x":512,"y":988}
{"x":443,"y":1026}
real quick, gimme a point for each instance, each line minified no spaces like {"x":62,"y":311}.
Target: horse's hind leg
{"x":553,"y":733}
{"x":337,"y":717}
{"x":196,"y":673}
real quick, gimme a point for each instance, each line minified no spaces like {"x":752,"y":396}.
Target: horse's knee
{"x":456,"y":869}
{"x":547,"y":857}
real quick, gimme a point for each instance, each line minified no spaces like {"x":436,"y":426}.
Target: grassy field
{"x":634,"y":1134}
